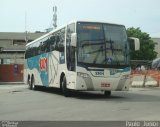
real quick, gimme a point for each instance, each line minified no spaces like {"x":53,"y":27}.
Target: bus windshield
{"x":102,"y":44}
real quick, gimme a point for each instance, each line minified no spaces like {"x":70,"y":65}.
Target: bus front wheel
{"x":65,"y":90}
{"x":107,"y":93}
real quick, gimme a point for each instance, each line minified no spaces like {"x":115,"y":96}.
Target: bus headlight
{"x":84,"y":75}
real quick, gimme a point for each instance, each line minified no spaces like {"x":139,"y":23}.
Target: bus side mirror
{"x":74,"y":39}
{"x":134,"y":43}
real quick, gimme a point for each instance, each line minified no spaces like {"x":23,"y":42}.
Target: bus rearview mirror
{"x":74,"y":39}
{"x":134,"y":43}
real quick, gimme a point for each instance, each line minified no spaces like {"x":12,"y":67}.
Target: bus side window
{"x":56,"y":41}
{"x":48,"y":45}
{"x":33,"y":49}
{"x":28,"y":53}
{"x":52,"y":43}
{"x":42,"y":47}
{"x":62,"y":39}
{"x":60,"y":35}
{"x":39,"y":48}
{"x":70,"y":51}
{"x":45,"y":43}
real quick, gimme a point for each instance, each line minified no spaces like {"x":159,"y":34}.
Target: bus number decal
{"x":43,"y":64}
{"x":99,"y":73}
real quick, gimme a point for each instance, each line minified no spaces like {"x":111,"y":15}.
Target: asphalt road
{"x":18,"y":103}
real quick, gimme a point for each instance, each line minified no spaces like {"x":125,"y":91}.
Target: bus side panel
{"x":37,"y":66}
{"x":53,"y":69}
{"x":25,"y":72}
{"x":71,"y":80}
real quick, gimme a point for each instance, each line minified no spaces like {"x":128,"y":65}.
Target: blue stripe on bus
{"x":115,"y":71}
{"x":125,"y":69}
{"x":34,"y":63}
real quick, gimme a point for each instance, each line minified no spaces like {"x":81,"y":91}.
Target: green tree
{"x":147,"y":45}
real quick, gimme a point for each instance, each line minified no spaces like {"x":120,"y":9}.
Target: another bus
{"x":81,"y":56}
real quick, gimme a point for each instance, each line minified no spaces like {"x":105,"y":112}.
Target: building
{"x":12,"y":49}
{"x":12,"y":46}
{"x":157,"y":46}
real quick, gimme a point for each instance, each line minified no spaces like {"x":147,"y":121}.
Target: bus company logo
{"x":43,"y":64}
{"x":113,"y":71}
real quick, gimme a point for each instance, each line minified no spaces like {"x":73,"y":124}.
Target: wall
{"x":157,"y":46}
{"x":11,"y":73}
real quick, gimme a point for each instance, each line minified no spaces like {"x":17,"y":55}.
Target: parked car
{"x":156,"y":64}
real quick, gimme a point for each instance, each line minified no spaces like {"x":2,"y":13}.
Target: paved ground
{"x":17,"y":102}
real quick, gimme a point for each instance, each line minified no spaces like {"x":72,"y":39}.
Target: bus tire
{"x":65,"y":91}
{"x":33,"y":87}
{"x":107,"y":93}
{"x":29,"y":83}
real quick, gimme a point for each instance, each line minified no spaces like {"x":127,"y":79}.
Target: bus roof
{"x":73,"y":21}
{"x":103,"y":22}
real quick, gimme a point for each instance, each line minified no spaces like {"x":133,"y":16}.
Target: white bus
{"x":81,"y":56}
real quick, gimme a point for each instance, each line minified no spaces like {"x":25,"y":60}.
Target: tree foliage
{"x":147,"y":45}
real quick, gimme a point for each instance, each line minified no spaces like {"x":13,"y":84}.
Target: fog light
{"x":84,"y":75}
{"x":125,"y":76}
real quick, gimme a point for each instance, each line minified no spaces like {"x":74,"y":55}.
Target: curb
{"x":12,"y":83}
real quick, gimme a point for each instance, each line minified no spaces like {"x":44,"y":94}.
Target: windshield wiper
{"x":100,"y":49}
{"x":112,"y":49}
{"x":87,"y":42}
{"x":99,"y":42}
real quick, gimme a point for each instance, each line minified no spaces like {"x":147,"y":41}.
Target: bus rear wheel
{"x":32,"y":86}
{"x":29,"y":83}
{"x":107,"y":93}
{"x":65,"y":90}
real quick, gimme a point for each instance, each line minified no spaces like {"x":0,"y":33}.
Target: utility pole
{"x":26,"y":33}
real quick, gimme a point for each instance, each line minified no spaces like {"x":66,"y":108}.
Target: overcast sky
{"x":137,"y":13}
